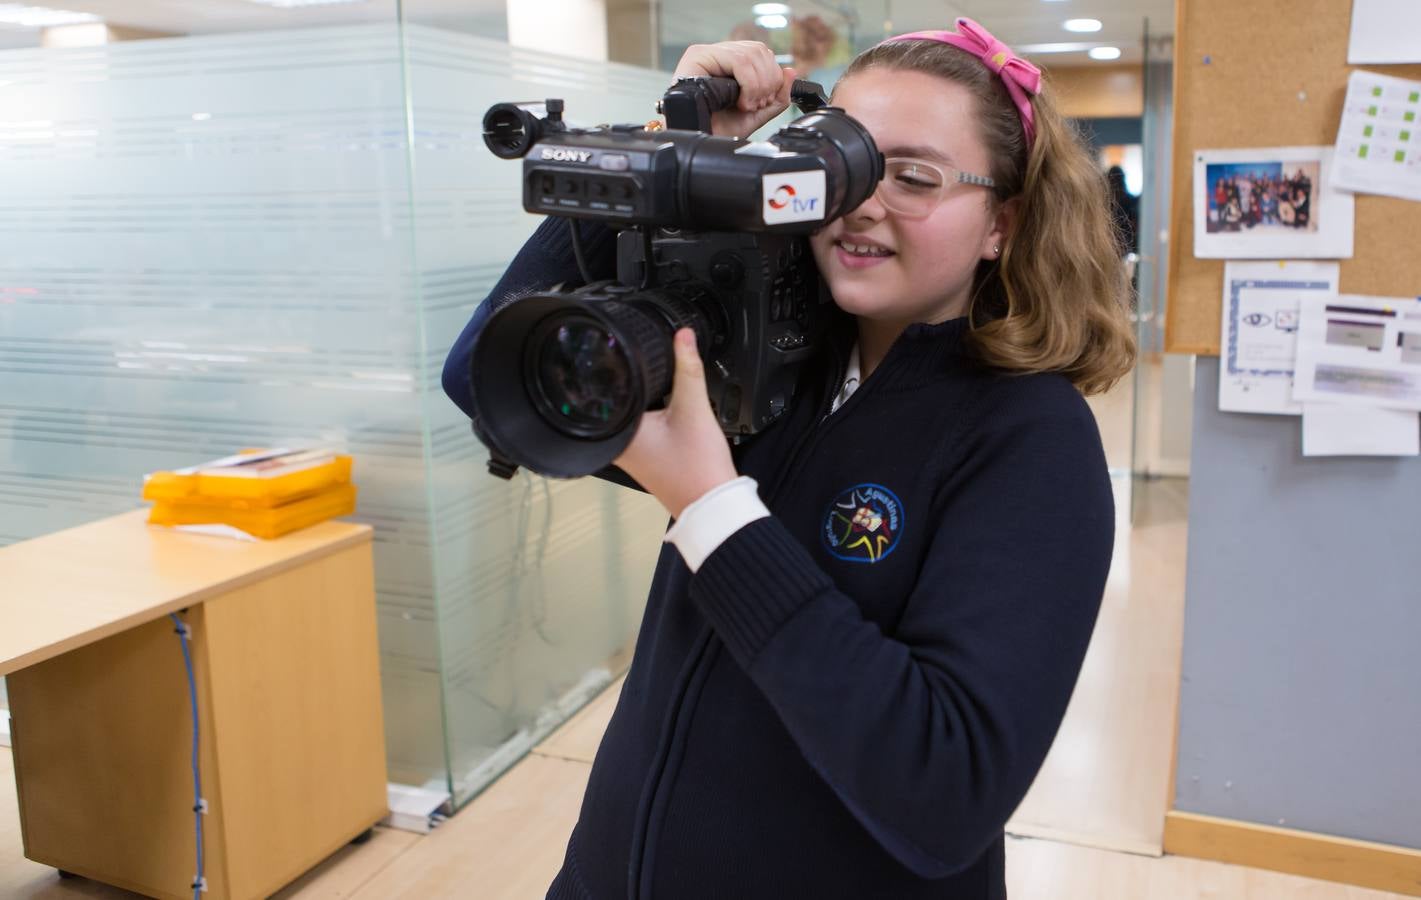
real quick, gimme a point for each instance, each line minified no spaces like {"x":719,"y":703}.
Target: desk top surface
{"x":74,"y":587}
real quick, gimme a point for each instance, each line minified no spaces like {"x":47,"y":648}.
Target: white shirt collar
{"x":851,"y":380}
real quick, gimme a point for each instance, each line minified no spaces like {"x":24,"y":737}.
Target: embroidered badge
{"x":863,"y":523}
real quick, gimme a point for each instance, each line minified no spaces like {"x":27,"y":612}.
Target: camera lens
{"x":559,"y":381}
{"x":581,"y":381}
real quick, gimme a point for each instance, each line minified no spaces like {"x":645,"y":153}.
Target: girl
{"x":867,"y":621}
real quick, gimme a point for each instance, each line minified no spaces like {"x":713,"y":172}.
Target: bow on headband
{"x":1020,"y":76}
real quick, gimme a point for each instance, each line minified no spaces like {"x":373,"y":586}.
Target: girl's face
{"x":883,"y":266}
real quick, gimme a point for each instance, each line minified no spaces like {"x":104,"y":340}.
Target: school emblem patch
{"x":863,"y":523}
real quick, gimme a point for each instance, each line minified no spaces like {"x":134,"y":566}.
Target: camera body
{"x":712,"y":236}
{"x":763,"y":302}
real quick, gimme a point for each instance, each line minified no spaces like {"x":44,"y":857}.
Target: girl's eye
{"x":915,"y":182}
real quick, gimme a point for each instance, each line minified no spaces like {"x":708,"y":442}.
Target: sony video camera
{"x":711,"y":236}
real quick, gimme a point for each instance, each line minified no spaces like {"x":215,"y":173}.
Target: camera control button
{"x":727,"y":271}
{"x":614,"y":162}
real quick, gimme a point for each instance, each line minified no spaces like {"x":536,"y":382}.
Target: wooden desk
{"x":286,"y":661}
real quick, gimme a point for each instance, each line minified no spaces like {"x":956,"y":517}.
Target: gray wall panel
{"x":1301,"y":696}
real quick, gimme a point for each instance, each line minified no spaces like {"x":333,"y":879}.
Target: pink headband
{"x":1020,"y":76}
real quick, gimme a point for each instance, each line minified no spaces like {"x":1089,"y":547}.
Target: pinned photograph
{"x":1268,"y":203}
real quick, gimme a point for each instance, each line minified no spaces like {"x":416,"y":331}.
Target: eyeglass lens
{"x":914,"y":187}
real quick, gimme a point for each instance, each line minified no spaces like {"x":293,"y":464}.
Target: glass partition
{"x":246,"y":225}
{"x":1163,"y":383}
{"x":539,"y":583}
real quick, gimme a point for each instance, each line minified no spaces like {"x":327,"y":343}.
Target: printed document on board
{"x":1336,"y":429}
{"x":1378,"y":148}
{"x":1359,"y":350}
{"x":1258,"y":333}
{"x":1384,"y":31}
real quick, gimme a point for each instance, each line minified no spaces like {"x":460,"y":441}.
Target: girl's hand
{"x":764,"y":86}
{"x":680,"y":452}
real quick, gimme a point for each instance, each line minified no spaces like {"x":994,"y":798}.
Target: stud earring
{"x":996,"y":251}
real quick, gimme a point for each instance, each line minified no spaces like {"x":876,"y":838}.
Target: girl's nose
{"x":871,"y":210}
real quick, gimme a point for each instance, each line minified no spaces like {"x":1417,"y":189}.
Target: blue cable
{"x":183,"y":631}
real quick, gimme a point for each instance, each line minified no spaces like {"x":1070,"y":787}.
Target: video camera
{"x":711,"y":236}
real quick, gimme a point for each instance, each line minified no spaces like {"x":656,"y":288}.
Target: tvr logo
{"x":784,"y":196}
{"x":792,"y":197}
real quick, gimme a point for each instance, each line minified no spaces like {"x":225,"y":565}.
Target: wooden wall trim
{"x":1099,"y":91}
{"x":1378,"y":866}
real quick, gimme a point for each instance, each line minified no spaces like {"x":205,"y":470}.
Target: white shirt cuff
{"x":715,"y":516}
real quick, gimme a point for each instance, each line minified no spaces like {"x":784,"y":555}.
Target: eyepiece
{"x":509,"y":130}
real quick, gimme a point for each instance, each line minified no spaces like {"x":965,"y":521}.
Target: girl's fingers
{"x":767,"y":75}
{"x":764,"y":85}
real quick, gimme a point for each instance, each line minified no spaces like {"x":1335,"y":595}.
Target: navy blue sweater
{"x":850,"y":697}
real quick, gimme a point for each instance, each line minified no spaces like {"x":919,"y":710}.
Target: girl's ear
{"x":995,"y":243}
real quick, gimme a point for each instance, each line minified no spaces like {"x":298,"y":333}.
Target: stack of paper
{"x":416,"y":809}
{"x":1349,"y":365}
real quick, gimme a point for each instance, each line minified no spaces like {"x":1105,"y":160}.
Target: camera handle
{"x":689,"y":103}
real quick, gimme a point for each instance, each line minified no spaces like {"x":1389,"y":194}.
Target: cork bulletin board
{"x":1270,"y":73}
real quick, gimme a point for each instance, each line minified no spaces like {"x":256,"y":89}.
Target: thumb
{"x":690,"y":383}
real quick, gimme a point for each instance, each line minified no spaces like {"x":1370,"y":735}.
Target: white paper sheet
{"x":1259,"y":331}
{"x":1362,"y":351}
{"x":1385,"y":31}
{"x":1270,"y":203}
{"x":1332,"y":429}
{"x":1379,"y":139}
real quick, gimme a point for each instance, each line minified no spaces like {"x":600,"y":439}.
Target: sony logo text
{"x":562,"y":155}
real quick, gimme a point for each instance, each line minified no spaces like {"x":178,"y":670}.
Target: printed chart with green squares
{"x":1379,"y":139}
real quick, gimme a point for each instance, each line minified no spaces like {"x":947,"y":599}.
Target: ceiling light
{"x":1083,"y":25}
{"x":775,"y":21}
{"x":293,"y":4}
{"x":1070,"y":47}
{"x":41,"y":16}
{"x":1105,"y":53}
{"x":770,"y":9}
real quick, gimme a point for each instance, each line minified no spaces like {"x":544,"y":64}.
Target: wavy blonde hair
{"x":1057,"y":300}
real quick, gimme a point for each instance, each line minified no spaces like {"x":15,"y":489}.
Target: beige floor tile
{"x":348,"y":870}
{"x":1047,"y":870}
{"x":1113,"y":414}
{"x":505,"y":845}
{"x":579,"y":737}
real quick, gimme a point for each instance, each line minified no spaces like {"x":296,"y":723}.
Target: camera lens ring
{"x":579,"y":376}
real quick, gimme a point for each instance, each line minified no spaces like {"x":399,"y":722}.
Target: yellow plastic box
{"x":269,"y":522}
{"x":230,"y":483}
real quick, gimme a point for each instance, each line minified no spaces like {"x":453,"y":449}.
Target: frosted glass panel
{"x":215,"y":241}
{"x":541,"y":583}
{"x":208,"y":246}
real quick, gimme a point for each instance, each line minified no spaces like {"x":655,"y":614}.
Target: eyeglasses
{"x":914,"y":187}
